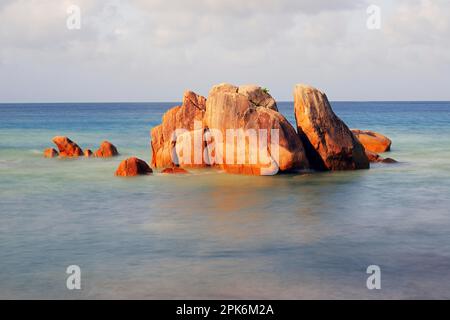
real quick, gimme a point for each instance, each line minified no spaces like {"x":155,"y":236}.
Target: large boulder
{"x":195,"y":134}
{"x":67,"y":148}
{"x":373,"y":141}
{"x":249,"y":110}
{"x":242,"y":108}
{"x":133,"y":167}
{"x":106,"y":150}
{"x":329,"y":143}
{"x":50,"y":153}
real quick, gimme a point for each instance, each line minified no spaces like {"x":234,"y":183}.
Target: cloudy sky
{"x":152,"y":50}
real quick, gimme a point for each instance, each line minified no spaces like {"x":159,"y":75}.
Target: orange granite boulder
{"x":67,"y":148}
{"x":250,"y":113}
{"x":329,"y":143}
{"x":133,"y":167}
{"x":106,"y":150}
{"x":373,"y":141}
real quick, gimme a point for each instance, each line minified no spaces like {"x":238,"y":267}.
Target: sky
{"x":153,"y":50}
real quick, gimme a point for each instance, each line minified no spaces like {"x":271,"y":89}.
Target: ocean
{"x":210,"y":235}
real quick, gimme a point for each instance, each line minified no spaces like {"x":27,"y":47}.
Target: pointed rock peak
{"x":191,"y":98}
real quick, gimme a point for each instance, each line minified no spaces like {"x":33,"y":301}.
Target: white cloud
{"x":420,"y":23}
{"x":154,"y":49}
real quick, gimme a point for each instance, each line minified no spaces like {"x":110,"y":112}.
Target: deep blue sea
{"x":211,"y":235}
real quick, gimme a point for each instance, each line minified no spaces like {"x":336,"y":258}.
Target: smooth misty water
{"x":211,"y":235}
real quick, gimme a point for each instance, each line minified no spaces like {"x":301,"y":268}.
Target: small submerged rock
{"x":50,"y":153}
{"x":88,"y":153}
{"x":133,"y":167}
{"x":106,"y":150}
{"x":174,"y":170}
{"x":389,"y":160}
{"x":376,"y":158}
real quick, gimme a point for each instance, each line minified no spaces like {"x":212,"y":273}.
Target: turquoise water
{"x":211,"y":235}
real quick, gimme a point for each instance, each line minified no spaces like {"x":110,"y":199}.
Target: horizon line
{"x":179,"y":102}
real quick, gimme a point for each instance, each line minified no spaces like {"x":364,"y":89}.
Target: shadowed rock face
{"x":133,"y":167}
{"x":66,"y":147}
{"x":329,"y":143}
{"x":106,"y":150}
{"x":373,"y":141}
{"x":50,"y":153}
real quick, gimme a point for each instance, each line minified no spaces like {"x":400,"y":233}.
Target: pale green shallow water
{"x":211,"y":235}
